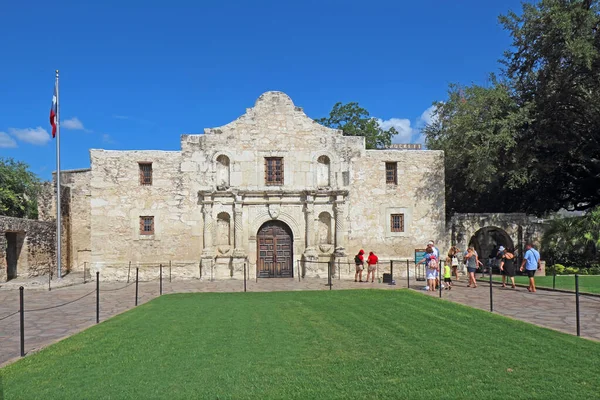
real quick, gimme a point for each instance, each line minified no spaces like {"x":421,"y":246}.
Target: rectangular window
{"x":145,"y":174}
{"x":391,"y":173}
{"x":274,"y":171}
{"x":146,"y":225}
{"x":397,"y":222}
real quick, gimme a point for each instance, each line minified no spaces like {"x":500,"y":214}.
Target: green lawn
{"x":352,"y":344}
{"x":587,"y":283}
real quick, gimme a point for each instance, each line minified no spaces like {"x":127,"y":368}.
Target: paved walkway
{"x":45,"y":325}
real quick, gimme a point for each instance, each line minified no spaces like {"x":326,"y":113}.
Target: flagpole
{"x":58,"y":215}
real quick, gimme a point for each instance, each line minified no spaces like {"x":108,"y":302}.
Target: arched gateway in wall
{"x":275,"y":255}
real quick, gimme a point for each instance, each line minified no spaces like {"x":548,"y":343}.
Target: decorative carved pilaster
{"x":340,"y":215}
{"x":309,"y":212}
{"x":208,"y":228}
{"x":238,"y":230}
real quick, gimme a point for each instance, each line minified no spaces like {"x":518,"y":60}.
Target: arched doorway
{"x":275,"y":251}
{"x":486,"y":242}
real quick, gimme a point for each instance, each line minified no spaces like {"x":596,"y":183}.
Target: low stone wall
{"x":32,"y":247}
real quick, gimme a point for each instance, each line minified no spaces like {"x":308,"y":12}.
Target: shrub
{"x":595,"y":270}
{"x":570,"y":271}
{"x":559,"y":269}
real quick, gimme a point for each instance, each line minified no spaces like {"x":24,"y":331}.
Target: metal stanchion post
{"x":137,"y":272}
{"x":407,"y":274}
{"x":244,"y":276}
{"x":391,"y":272}
{"x":554,"y":280}
{"x":97,"y":296}
{"x":329,"y":275}
{"x":22,"y":320}
{"x":160,"y":280}
{"x":491,"y":296}
{"x":440,"y":279}
{"x":84,"y":270}
{"x":577,"y":303}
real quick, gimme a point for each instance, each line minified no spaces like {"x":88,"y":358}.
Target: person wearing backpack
{"x":359,"y":261}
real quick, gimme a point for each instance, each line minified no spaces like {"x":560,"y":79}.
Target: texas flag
{"x":53,"y":112}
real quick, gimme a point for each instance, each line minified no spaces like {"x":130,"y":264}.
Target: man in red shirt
{"x":371,"y":266}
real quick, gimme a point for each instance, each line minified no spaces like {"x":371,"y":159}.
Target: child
{"x":447,"y":277}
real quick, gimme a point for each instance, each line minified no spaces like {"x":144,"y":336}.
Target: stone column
{"x":238,"y":231}
{"x":309,"y":213}
{"x":208,"y":228}
{"x":340,"y":215}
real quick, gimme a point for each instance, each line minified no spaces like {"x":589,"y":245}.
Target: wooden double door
{"x":275,"y":251}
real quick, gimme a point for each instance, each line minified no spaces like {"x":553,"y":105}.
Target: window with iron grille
{"x":146,"y":225}
{"x":391,"y":173}
{"x":145,"y":174}
{"x":274,"y":171}
{"x":397,"y":222}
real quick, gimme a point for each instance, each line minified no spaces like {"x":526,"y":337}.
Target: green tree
{"x":19,"y":188}
{"x":476,"y":127}
{"x":354,"y":120}
{"x":554,"y":71}
{"x":529,"y":141}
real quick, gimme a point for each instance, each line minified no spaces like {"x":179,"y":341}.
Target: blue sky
{"x":137,"y":75}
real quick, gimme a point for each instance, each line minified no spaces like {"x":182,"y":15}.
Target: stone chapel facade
{"x":272,"y":189}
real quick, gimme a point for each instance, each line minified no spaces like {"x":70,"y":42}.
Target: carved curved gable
{"x":274,"y":113}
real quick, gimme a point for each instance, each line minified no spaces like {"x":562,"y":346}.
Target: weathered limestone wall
{"x":520,"y":228}
{"x":209,"y":200}
{"x":35,"y":246}
{"x":118,"y":200}
{"x":76,"y":222}
{"x":75,"y":215}
{"x":419,"y":195}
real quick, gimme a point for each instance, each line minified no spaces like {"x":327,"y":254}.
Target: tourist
{"x":436,"y":253}
{"x":371,"y":266}
{"x":431,"y":264}
{"x":531,"y":263}
{"x":453,"y":260}
{"x":507,"y":266}
{"x":359,"y":260}
{"x":472,"y":265}
{"x":447,"y":277}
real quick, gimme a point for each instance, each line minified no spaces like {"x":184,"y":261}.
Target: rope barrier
{"x":61,"y":305}
{"x":9,"y":315}
{"x":121,"y":288}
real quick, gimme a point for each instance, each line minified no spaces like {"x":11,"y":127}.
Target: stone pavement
{"x":45,"y":325}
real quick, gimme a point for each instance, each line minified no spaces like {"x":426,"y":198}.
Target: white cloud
{"x":6,"y":142}
{"x":407,"y":132}
{"x":402,"y":126}
{"x":107,"y":139}
{"x":73,"y":124}
{"x":427,"y":117}
{"x":36,"y":136}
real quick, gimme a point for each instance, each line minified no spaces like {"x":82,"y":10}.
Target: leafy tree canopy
{"x":19,"y":188}
{"x":529,"y":141}
{"x":354,"y":120}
